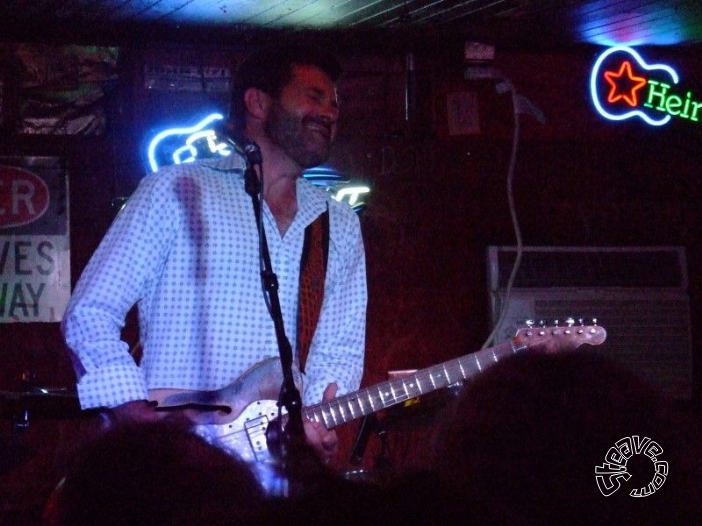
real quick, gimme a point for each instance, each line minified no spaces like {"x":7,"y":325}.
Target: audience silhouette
{"x":519,"y":444}
{"x":528,"y":434}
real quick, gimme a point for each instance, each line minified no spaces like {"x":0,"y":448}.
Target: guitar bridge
{"x":256,"y":432}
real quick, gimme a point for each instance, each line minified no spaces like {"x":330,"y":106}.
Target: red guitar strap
{"x":313,"y":269}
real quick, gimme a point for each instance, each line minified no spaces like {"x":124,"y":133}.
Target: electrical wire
{"x":503,"y":86}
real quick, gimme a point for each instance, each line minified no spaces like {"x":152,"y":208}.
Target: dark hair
{"x":528,"y":433}
{"x":154,"y":473}
{"x":270,"y":69}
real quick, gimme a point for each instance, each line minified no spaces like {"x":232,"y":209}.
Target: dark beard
{"x":287,"y":131}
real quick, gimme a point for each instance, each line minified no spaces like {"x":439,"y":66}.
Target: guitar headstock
{"x":564,"y":336}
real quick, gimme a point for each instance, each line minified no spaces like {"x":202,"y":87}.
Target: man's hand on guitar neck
{"x":324,"y":441}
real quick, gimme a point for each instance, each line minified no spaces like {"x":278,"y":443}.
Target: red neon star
{"x":634,"y":84}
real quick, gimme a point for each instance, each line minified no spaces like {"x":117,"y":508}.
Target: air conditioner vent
{"x":587,"y":267}
{"x":639,"y":295}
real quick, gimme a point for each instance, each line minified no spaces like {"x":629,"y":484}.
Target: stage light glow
{"x":635,"y":24}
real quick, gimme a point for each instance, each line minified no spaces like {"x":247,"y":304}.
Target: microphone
{"x":247,"y":149}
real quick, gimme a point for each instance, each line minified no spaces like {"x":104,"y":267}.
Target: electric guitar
{"x":238,"y":415}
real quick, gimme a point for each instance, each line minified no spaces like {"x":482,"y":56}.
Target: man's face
{"x":302,"y":121}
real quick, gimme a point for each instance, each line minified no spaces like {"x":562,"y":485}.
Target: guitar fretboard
{"x":381,"y":396}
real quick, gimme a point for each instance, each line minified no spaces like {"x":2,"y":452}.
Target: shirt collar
{"x":311,"y":200}
{"x":230,"y":163}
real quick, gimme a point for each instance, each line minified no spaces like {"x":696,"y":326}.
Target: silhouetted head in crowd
{"x":528,"y":434}
{"x":154,"y":474}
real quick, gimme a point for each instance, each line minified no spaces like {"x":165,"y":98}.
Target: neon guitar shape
{"x":623,"y":86}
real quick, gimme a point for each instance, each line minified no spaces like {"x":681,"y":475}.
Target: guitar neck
{"x":381,"y":396}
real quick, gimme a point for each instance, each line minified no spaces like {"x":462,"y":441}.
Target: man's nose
{"x":330,"y":111}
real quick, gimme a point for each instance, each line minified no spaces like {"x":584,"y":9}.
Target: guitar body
{"x":236,"y":417}
{"x":245,"y":436}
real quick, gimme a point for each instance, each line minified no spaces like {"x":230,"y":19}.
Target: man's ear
{"x":257,"y":103}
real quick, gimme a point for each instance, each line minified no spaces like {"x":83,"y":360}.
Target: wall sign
{"x":624,"y":86}
{"x":35,"y":269}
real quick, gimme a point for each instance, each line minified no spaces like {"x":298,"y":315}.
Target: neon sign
{"x":624,"y":86}
{"x":188,"y":143}
{"x":339,"y":186}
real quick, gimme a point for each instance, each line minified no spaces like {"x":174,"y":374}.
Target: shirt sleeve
{"x":116,"y":277}
{"x":337,"y":350}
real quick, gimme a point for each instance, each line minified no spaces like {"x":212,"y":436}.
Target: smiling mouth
{"x":321,"y":128}
{"x":322,"y":131}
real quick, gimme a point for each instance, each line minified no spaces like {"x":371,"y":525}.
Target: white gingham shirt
{"x":185,"y":248}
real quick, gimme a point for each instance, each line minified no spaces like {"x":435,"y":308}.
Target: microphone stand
{"x":369,"y":425}
{"x":289,"y":438}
